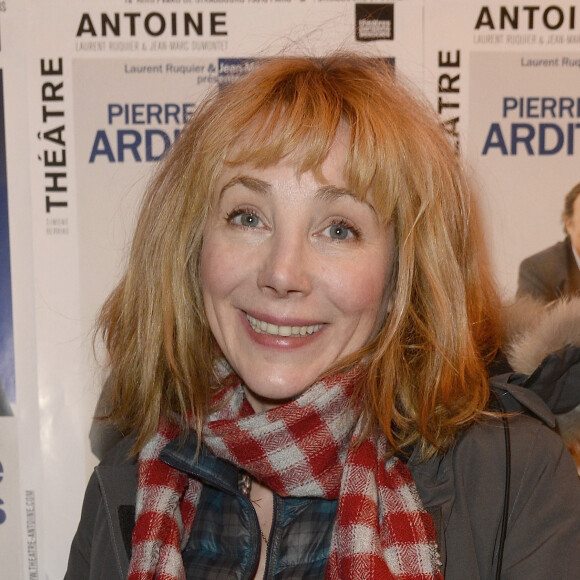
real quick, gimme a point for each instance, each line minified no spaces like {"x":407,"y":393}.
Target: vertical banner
{"x":20,"y":448}
{"x":7,"y":371}
{"x":10,"y":510}
{"x":10,"y":538}
{"x":505,"y":77}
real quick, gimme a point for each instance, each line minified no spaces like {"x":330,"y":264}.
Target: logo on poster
{"x":540,"y":126}
{"x":153,"y":24}
{"x":134,"y":133}
{"x":53,"y":134}
{"x":526,"y":17}
{"x":449,"y":87}
{"x":374,"y":22}
{"x":231,"y":69}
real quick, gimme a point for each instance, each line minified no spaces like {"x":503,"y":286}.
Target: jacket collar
{"x":182,"y":454}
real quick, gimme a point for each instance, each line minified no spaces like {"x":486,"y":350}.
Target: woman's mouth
{"x":262,"y":327}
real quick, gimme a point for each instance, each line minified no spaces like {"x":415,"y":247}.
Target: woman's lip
{"x":285,"y":330}
{"x":278,"y":341}
{"x":281,"y":321}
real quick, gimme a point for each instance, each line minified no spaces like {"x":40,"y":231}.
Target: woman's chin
{"x":263,"y":402}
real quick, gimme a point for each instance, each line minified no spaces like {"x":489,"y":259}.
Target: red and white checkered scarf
{"x":300,"y":449}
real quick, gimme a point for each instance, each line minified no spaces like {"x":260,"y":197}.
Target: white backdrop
{"x":89,"y":84}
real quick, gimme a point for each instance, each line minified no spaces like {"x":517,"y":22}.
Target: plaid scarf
{"x":300,"y":449}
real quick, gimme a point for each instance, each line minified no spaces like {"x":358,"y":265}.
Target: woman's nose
{"x":286,"y":267}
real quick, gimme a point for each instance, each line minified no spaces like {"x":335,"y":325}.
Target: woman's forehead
{"x":260,"y":145}
{"x":263,"y":145}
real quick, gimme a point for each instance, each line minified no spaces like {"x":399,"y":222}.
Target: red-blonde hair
{"x":426,"y":375}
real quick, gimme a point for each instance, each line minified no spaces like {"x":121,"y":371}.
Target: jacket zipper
{"x":273,"y":539}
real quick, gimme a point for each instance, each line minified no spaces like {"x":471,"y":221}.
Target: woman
{"x":298,"y":350}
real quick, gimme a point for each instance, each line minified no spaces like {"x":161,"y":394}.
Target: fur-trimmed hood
{"x":542,"y":345}
{"x":534,"y":329}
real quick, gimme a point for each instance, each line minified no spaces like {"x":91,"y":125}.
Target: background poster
{"x":94,"y":90}
{"x":10,"y":525}
{"x":525,"y":137}
{"x":505,"y":77}
{"x":7,"y":383}
{"x":9,"y":472}
{"x":110,"y":86}
{"x":20,"y":448}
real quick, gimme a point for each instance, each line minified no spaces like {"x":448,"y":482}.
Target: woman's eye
{"x":341,"y":231}
{"x":244,"y":218}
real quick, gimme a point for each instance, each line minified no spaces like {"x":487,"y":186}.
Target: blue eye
{"x":342,"y":231}
{"x":248,"y":219}
{"x":339,"y":232}
{"x":245,"y":219}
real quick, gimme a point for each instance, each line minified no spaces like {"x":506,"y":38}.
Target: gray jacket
{"x":463,"y":490}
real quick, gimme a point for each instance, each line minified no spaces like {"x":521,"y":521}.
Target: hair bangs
{"x":301,"y":124}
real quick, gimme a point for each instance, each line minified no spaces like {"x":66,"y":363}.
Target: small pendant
{"x":245,"y":486}
{"x":245,"y":483}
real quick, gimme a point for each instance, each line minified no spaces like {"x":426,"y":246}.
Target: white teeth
{"x":266,"y":328}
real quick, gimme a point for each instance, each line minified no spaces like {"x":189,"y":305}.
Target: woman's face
{"x":293,"y":274}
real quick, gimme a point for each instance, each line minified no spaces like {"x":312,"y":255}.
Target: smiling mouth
{"x":262,"y":327}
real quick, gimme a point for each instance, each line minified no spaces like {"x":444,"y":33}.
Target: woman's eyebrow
{"x":331,"y":192}
{"x":324,"y":193}
{"x":252,"y":183}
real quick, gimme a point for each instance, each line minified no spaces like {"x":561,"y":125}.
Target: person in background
{"x":548,"y":321}
{"x":299,"y":353}
{"x":555,"y":272}
{"x":542,"y":347}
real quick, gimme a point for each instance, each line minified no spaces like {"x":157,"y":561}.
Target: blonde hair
{"x":427,"y":367}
